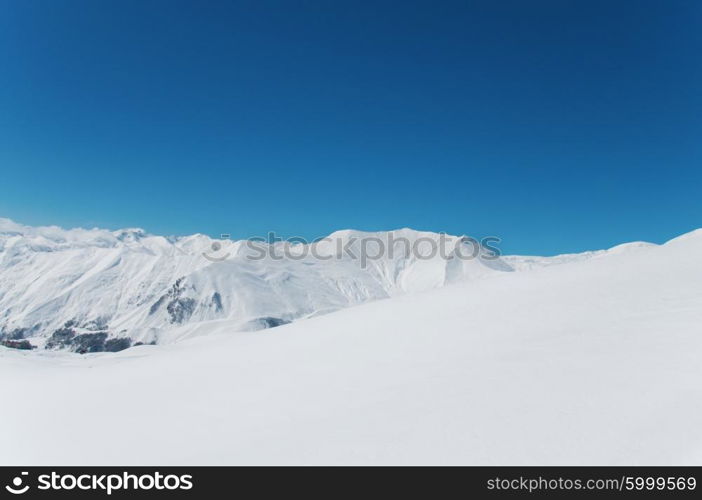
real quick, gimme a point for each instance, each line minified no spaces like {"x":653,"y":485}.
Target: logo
{"x":216,"y":247}
{"x":109,"y":483}
{"x":17,"y":483}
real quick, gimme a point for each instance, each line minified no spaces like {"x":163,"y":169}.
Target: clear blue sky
{"x":557,"y":125}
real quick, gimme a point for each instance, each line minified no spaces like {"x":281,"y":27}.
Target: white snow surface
{"x":593,"y":361}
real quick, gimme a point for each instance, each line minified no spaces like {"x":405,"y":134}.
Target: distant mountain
{"x":95,"y":290}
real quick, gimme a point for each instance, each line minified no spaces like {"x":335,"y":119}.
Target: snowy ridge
{"x":524,"y":262}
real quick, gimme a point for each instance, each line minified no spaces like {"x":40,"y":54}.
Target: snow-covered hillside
{"x":95,"y":290}
{"x":594,"y":361}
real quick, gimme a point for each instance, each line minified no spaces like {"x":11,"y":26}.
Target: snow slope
{"x":594,"y":361}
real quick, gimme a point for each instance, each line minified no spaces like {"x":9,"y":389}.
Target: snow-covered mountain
{"x":98,"y":290}
{"x":593,"y":361}
{"x":95,"y":290}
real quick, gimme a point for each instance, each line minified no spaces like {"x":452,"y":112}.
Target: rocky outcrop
{"x":68,"y":338}
{"x":18,"y":344}
{"x":179,"y":308}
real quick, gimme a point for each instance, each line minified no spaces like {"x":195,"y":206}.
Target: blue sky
{"x":558,"y":126}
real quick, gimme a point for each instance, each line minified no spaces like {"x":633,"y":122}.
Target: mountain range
{"x":97,"y":290}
